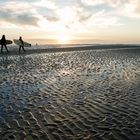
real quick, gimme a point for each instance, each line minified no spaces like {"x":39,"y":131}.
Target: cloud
{"x":24,"y":13}
{"x":45,"y":3}
{"x":49,"y":16}
{"x":103,"y":19}
{"x":92,"y":2}
{"x":19,"y":19}
{"x":52,"y":18}
{"x":100,"y":2}
{"x":128,"y":8}
{"x":131,"y":9}
{"x":18,"y":14}
{"x":80,"y":18}
{"x":112,"y":3}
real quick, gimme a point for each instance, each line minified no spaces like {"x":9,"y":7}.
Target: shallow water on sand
{"x":90,"y":95}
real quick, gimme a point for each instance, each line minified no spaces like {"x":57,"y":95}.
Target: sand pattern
{"x":78,"y":95}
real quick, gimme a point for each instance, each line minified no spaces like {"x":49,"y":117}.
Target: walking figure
{"x":3,"y":43}
{"x":22,"y":44}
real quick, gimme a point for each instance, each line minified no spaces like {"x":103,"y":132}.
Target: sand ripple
{"x":87,"y":95}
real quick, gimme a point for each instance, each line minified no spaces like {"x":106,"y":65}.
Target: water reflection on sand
{"x":92,"y":94}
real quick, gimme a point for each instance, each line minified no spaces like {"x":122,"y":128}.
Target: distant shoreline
{"x":33,"y":50}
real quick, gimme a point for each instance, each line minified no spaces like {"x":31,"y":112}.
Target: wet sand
{"x":67,"y":48}
{"x":76,"y":95}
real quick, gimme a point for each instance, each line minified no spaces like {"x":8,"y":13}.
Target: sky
{"x":71,"y":21}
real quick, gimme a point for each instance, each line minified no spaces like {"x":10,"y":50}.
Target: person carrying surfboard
{"x":21,"y":46}
{"x":3,"y":43}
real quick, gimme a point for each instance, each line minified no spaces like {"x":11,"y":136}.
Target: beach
{"x":75,"y":94}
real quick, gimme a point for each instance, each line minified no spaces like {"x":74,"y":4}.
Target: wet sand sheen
{"x":89,"y":94}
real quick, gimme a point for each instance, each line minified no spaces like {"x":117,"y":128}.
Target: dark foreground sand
{"x":77,"y":95}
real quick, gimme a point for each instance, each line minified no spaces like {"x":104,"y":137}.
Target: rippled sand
{"x":77,"y":95}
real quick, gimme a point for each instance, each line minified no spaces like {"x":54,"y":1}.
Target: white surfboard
{"x":18,"y":42}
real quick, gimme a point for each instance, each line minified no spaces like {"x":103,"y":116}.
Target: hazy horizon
{"x":71,"y":21}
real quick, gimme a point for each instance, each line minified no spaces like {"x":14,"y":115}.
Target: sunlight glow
{"x":63,"y":38}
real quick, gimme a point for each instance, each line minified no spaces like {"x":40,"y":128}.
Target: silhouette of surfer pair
{"x":3,"y":44}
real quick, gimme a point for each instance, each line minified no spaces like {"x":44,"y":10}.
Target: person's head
{"x":3,"y":36}
{"x":20,"y":37}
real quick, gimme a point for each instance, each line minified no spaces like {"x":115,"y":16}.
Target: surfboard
{"x":8,"y":42}
{"x":18,"y":42}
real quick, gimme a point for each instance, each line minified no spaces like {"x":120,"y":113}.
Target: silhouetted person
{"x":22,"y":44}
{"x":3,"y":43}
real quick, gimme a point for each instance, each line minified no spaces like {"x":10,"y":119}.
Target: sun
{"x":63,"y":38}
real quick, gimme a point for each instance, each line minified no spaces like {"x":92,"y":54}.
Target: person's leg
{"x":1,"y":48}
{"x":19,"y":48}
{"x":23,"y":48}
{"x":6,"y":48}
